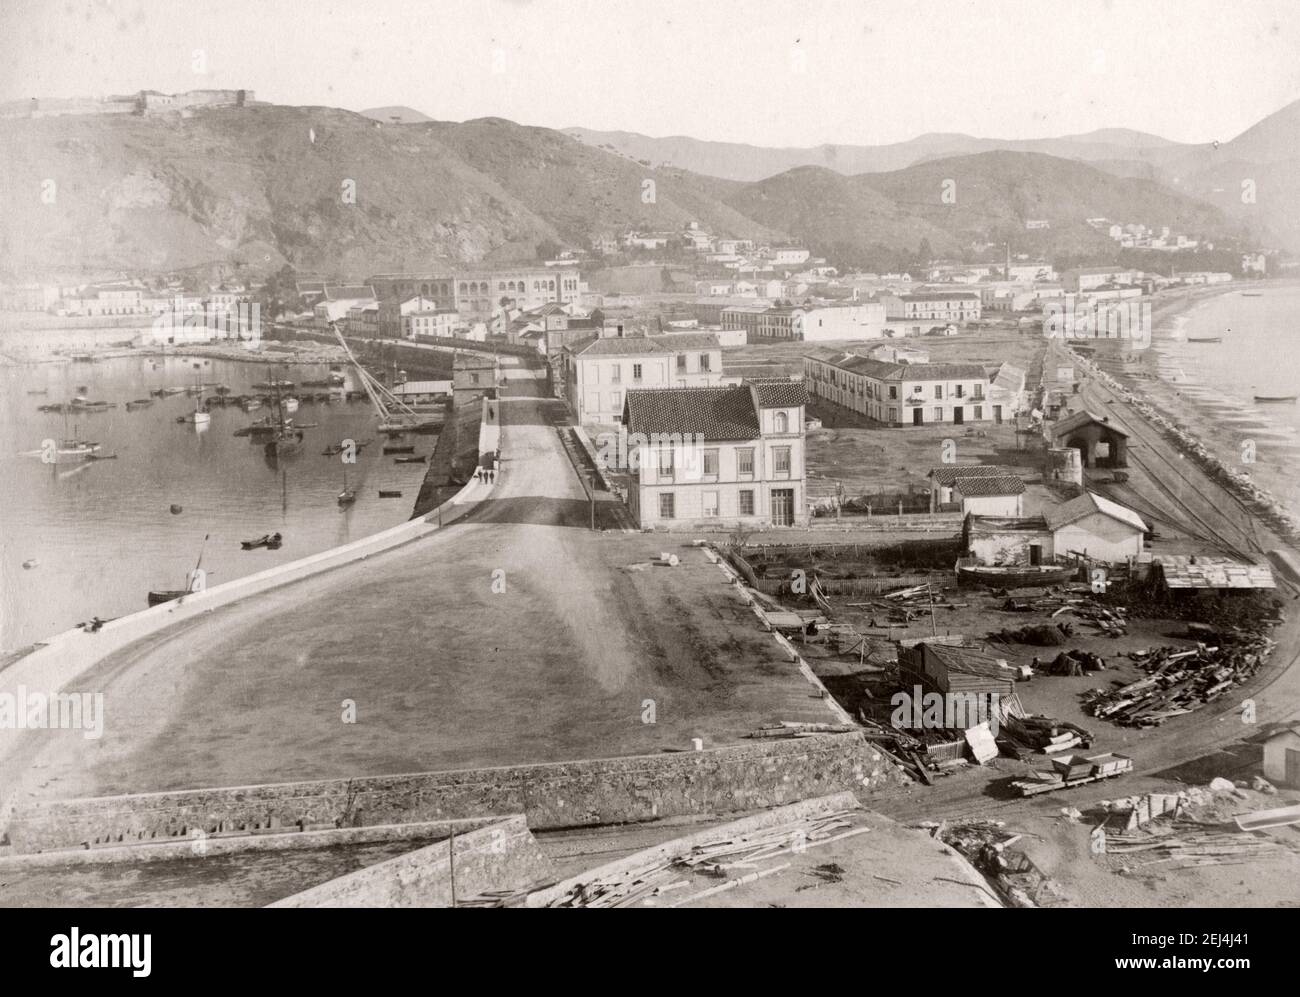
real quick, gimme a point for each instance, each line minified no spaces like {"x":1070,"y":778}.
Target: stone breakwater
{"x":1259,"y":500}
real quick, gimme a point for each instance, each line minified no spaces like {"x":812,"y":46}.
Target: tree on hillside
{"x":548,"y":249}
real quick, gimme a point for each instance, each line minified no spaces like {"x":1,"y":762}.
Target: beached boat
{"x":271,"y":541}
{"x":1271,"y":399}
{"x":193,"y":582}
{"x":1014,"y":575}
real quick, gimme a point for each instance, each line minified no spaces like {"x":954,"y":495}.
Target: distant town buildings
{"x":479,"y":294}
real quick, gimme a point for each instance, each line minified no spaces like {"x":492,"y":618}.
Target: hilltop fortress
{"x":144,"y":102}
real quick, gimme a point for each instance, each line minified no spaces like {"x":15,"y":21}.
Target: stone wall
{"x":552,"y":795}
{"x":501,"y":856}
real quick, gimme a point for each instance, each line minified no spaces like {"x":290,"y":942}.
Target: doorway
{"x":782,"y":506}
{"x":958,"y":416}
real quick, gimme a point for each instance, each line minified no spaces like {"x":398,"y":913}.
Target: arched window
{"x":550,"y":285}
{"x":782,"y":422}
{"x":537,"y":286}
{"x":463,"y":288}
{"x":424,"y":288}
{"x":501,"y":285}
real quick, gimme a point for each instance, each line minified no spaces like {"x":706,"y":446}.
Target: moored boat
{"x":271,"y":541}
{"x":1272,"y":399}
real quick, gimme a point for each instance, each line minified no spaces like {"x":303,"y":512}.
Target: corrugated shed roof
{"x":970,"y":661}
{"x":715,"y":413}
{"x":985,"y":486}
{"x":1087,"y":504}
{"x":1182,"y":571}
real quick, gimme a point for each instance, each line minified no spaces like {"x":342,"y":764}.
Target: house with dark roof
{"x":990,"y":495}
{"x":722,"y":456}
{"x":944,"y":477}
{"x":599,"y":371}
{"x":909,"y":394}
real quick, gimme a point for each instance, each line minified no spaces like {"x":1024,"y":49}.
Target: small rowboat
{"x":1205,"y":339}
{"x":389,"y":494}
{"x":271,"y":541}
{"x":410,"y":460}
{"x":1270,"y":399}
{"x":392,"y":450}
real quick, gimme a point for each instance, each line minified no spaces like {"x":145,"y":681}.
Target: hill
{"x":398,"y":113}
{"x":737,"y":161}
{"x":342,"y":193}
{"x":265,"y":185}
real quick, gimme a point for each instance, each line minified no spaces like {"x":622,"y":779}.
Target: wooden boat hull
{"x":1019,"y":576}
{"x":158,"y":596}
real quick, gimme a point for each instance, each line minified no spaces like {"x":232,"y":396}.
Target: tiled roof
{"x":1087,"y":504}
{"x":948,"y":473}
{"x":1005,"y":484}
{"x":1082,"y":418}
{"x":688,"y":340}
{"x":715,"y":413}
{"x":1183,"y":572}
{"x":779,"y":393}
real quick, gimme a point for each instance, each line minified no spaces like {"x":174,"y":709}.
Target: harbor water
{"x":90,"y":538}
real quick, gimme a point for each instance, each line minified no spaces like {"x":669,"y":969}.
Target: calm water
{"x":102,"y":531}
{"x":1259,"y":355}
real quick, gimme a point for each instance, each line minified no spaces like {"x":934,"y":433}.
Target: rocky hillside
{"x":329,"y":190}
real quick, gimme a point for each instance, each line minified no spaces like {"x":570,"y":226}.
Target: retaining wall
{"x":56,"y":662}
{"x":552,"y":795}
{"x":501,"y":856}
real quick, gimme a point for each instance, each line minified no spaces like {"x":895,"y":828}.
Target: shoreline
{"x":1173,"y":415}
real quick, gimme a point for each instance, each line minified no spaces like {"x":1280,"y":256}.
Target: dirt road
{"x":515,"y":636}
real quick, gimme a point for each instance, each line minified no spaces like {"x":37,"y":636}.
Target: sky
{"x":767,"y":72}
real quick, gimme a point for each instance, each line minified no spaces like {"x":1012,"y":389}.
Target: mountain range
{"x":350,"y":194}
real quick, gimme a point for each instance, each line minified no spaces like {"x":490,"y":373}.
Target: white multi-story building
{"x":598,"y":372}
{"x":721,"y":456}
{"x":938,"y":306}
{"x":916,"y":394}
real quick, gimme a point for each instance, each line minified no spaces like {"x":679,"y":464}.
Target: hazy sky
{"x":771,"y":72}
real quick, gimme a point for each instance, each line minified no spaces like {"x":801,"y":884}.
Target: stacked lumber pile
{"x":990,"y":848}
{"x":728,"y":861}
{"x":1188,"y":843}
{"x":1180,"y":681}
{"x":1040,"y":733}
{"x":903,"y":606}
